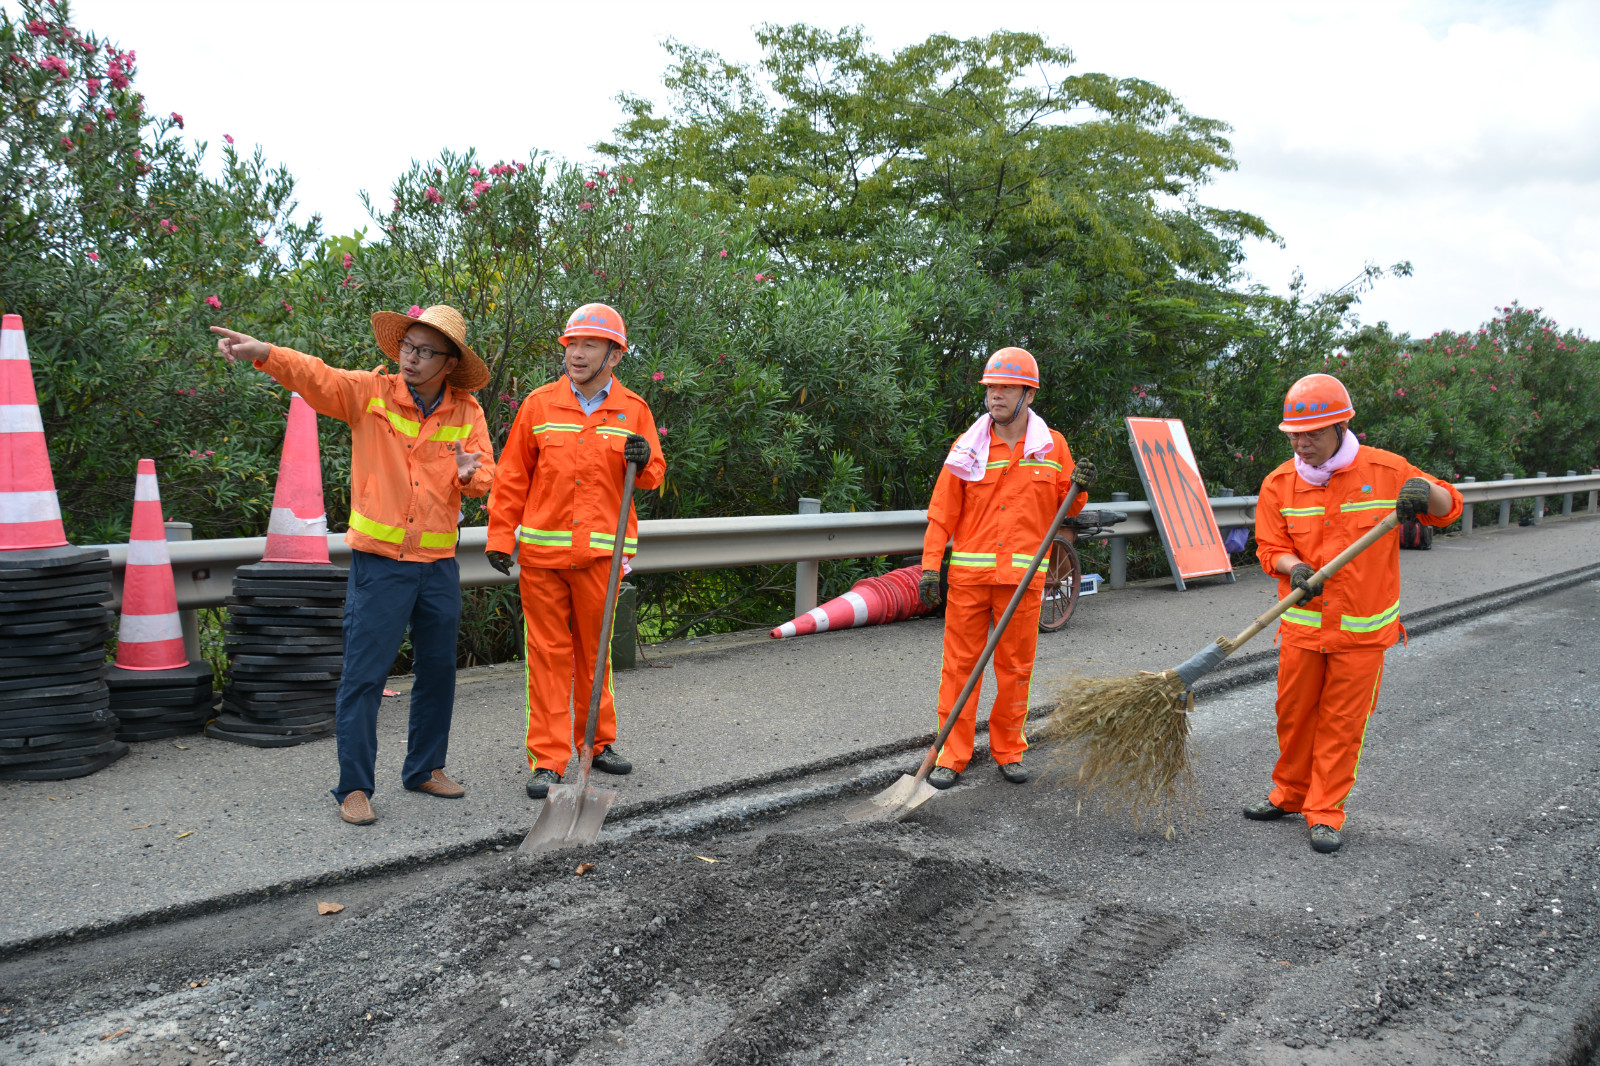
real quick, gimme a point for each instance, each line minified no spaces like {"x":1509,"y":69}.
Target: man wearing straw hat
{"x":1330,"y":660}
{"x":418,"y":444}
{"x":995,"y":499}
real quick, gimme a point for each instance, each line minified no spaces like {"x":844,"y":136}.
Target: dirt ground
{"x":999,"y":925}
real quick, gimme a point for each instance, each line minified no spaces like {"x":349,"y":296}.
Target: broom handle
{"x":608,"y":615}
{"x":996,"y":633}
{"x":1334,"y":565}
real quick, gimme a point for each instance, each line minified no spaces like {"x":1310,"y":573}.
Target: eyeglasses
{"x":407,"y":348}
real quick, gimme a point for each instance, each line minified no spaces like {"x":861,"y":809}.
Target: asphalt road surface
{"x":999,"y":925}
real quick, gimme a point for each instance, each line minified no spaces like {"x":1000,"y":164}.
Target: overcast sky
{"x":1464,"y":137}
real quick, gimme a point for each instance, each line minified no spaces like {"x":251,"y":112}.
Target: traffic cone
{"x":297,"y":532}
{"x":871,"y":601}
{"x":30,"y":511}
{"x":150,"y":636}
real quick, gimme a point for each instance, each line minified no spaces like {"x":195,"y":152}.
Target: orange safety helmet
{"x":1011,"y":366}
{"x":1316,"y":401}
{"x":596,"y":320}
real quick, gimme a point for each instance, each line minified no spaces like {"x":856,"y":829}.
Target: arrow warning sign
{"x":1177,"y":498}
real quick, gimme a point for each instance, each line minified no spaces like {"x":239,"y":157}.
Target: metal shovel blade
{"x":570,"y":815}
{"x":894,"y":802}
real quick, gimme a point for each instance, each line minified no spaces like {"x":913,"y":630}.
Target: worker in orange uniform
{"x":417,"y":445}
{"x":554,"y":510}
{"x":1330,"y":663}
{"x":998,"y":492}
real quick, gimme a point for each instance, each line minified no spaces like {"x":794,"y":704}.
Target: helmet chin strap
{"x":611,"y":346}
{"x":1015,"y":412}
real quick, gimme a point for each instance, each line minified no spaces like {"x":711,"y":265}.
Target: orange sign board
{"x":1178,"y":499}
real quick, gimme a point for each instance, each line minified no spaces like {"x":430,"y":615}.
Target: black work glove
{"x":636,"y":450}
{"x":1083,"y":474}
{"x":1413,"y":499}
{"x":500,"y":561}
{"x":1300,"y":578}
{"x":928,"y":588}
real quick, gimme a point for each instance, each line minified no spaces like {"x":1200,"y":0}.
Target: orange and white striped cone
{"x":297,"y":531}
{"x":872,"y":601}
{"x":30,"y":511}
{"x":150,"y":637}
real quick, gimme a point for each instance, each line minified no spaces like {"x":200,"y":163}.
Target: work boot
{"x":1325,"y":838}
{"x":356,"y":810}
{"x":1013,"y":772}
{"x":1265,"y":811}
{"x":607,"y":761}
{"x":440,"y":785}
{"x":943,"y":777}
{"x":539,"y":784}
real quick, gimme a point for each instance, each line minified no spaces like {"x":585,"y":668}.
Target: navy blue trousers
{"x":385,"y":597}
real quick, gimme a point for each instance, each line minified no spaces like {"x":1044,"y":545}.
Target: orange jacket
{"x":1360,"y":605}
{"x":559,"y":483}
{"x":405,"y":498}
{"x":1001,"y":519}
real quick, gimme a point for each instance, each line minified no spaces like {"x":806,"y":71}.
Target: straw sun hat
{"x":389,"y":328}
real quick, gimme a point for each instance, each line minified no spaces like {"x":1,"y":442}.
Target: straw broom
{"x":1129,"y":736}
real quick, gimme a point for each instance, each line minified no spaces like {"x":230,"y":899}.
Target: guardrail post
{"x":189,"y":621}
{"x":1505,"y":505}
{"x":805,"y":571}
{"x":1538,"y":501}
{"x":1566,"y":501}
{"x":625,"y":628}
{"x":1466,"y":513}
{"x":1119,"y":551}
{"x":1594,"y":494}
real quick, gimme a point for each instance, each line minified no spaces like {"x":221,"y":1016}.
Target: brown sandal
{"x":356,"y":810}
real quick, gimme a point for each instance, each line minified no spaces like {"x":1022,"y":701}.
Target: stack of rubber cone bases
{"x":156,"y":691}
{"x":55,"y":715}
{"x":285,"y":636}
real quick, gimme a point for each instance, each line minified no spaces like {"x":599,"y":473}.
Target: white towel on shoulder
{"x":969,"y":455}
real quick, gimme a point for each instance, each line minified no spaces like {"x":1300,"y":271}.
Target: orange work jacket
{"x":559,"y":483}
{"x":998,"y":523}
{"x":405,"y":497}
{"x":1360,"y":605}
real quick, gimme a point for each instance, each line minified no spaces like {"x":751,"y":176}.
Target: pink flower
{"x":348,"y":259}
{"x":166,"y":224}
{"x":66,"y":142}
{"x":261,"y":240}
{"x":586,"y":206}
{"x":215,"y":302}
{"x":657,"y":376}
{"x":586,"y":185}
{"x":473,"y":171}
{"x":723,"y":253}
{"x":661,"y":430}
{"x":760,"y":277}
{"x":93,"y":85}
{"x":57,"y":64}
{"x":414,"y":311}
{"x":602,"y":173}
{"x":1494,"y":388}
{"x":630,"y":179}
{"x":628,"y":227}
{"x":722,"y":357}
{"x":287,"y":306}
{"x":432,"y":196}
{"x":1363,"y":436}
{"x":479,"y":188}
{"x":111,"y":116}
{"x":466,"y":208}
{"x":94,"y":257}
{"x":1399,"y":392}
{"x":39,"y":28}
{"x":611,"y":191}
{"x":228,"y":137}
{"x":347,"y":282}
{"x":210,"y":453}
{"x":521,"y":168}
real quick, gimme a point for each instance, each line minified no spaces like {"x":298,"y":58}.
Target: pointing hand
{"x":235,"y":346}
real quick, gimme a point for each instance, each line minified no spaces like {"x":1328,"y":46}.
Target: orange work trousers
{"x":969,"y":612}
{"x":1324,"y":703}
{"x":561,"y":619}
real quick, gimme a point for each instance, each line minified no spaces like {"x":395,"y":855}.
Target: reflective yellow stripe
{"x":1021,"y":561}
{"x":610,"y":431}
{"x":545,"y":538}
{"x":608,"y":541}
{"x":376,"y":530}
{"x":555,"y":427}
{"x":449,"y":433}
{"x":1354,"y":624}
{"x":1302,"y":617}
{"x":1368,"y":505}
{"x":1052,"y":464}
{"x":402,"y":425}
{"x":437,"y":540}
{"x":996,"y":464}
{"x":971,"y":558}
{"x":1301,"y":512}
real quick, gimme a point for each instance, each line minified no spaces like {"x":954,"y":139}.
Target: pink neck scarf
{"x":1319,"y":475}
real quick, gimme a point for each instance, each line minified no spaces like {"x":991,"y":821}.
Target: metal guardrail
{"x":204,"y":569}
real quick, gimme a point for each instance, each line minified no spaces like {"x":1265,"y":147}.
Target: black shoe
{"x":1265,"y":811}
{"x":943,"y":777}
{"x":539,"y":784}
{"x":1325,"y":838}
{"x":607,"y":761}
{"x":1013,"y":772}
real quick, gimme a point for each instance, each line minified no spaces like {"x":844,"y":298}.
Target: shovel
{"x":573,"y":814}
{"x":909,"y":793}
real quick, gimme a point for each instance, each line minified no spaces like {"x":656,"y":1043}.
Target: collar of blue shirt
{"x":591,"y":406}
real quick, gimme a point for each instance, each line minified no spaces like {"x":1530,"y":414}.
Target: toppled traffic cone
{"x":872,"y":601}
{"x":30,"y":511}
{"x":150,"y":636}
{"x":297,"y":531}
